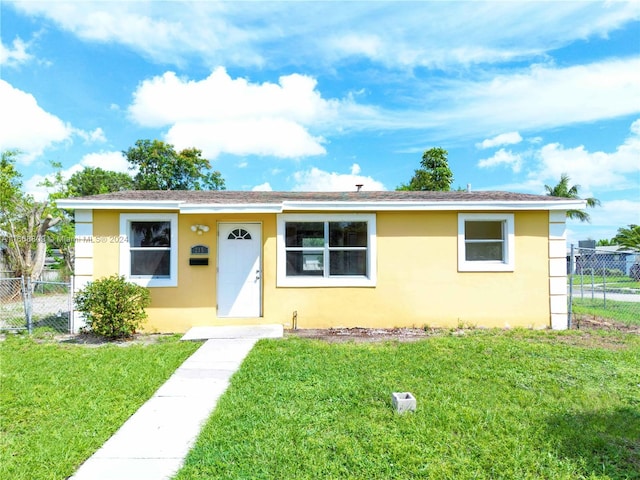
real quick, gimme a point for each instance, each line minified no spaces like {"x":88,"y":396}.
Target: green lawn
{"x":624,"y":312}
{"x":619,"y":281}
{"x":491,"y":404}
{"x":60,"y":402}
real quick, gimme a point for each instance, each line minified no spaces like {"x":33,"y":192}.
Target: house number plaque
{"x":199,"y":250}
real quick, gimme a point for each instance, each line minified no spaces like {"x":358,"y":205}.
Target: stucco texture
{"x":418,"y":282}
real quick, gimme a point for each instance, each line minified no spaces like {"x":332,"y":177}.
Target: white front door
{"x":239,"y":270}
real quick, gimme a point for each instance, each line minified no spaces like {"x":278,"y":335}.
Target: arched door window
{"x":239,"y":234}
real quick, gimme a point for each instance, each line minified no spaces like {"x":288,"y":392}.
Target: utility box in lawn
{"x":403,"y":402}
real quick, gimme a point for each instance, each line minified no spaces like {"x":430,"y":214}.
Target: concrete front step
{"x":237,"y":331}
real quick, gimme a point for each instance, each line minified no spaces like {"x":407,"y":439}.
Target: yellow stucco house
{"x":317,"y":260}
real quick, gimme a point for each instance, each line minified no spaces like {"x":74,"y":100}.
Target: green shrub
{"x":113,"y":307}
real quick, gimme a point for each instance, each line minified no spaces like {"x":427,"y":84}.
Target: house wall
{"x":418,"y":283}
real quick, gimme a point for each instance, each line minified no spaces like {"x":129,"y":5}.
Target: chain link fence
{"x":604,"y":285}
{"x":27,"y":305}
{"x":12,"y":306}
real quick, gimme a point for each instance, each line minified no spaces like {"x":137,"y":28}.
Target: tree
{"x":160,"y":167}
{"x":562,"y":189}
{"x":628,"y":237}
{"x":10,"y":183}
{"x":93,"y":181}
{"x":603,"y":242}
{"x":435,"y":173}
{"x":62,"y":236}
{"x":10,"y":193}
{"x":24,"y":221}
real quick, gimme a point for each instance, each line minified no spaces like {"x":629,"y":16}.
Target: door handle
{"x":257,"y":274}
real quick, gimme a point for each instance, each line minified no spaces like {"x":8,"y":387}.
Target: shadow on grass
{"x":603,"y":443}
{"x":56,"y":322}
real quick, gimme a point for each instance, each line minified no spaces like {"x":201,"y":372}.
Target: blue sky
{"x":326,"y":95}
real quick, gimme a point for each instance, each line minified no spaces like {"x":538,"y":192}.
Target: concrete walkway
{"x":153,"y":443}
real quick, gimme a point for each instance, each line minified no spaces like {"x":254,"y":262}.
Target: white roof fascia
{"x":293,"y":206}
{"x":424,"y":206}
{"x":118,"y":204}
{"x":189,"y":208}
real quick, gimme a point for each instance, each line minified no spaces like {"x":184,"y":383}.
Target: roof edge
{"x":70,"y":203}
{"x":500,"y":205}
{"x":296,"y":206}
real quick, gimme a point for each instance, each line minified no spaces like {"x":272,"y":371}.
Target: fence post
{"x":28,"y":304}
{"x":570,"y":306}
{"x":72,"y":314}
{"x":604,"y":287}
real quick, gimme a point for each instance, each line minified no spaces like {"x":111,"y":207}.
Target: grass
{"x":491,"y":405}
{"x":624,"y":312}
{"x":610,"y":281}
{"x":60,"y":402}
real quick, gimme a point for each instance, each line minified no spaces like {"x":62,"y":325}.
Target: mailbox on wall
{"x":200,"y":251}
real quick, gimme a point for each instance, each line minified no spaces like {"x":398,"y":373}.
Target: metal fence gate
{"x":604,"y":285}
{"x":28,"y":305}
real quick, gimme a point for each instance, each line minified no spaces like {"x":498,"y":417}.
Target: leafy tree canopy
{"x":603,"y":242}
{"x":93,"y":181}
{"x":628,"y":237}
{"x":434,"y":173}
{"x":10,"y":182}
{"x":160,"y":167}
{"x":562,"y":189}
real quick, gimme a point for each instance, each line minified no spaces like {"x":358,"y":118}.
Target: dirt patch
{"x":592,"y":322}
{"x":91,"y":340}
{"x":358,"y":334}
{"x":588,"y":335}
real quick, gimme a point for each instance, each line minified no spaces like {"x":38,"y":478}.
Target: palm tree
{"x":562,"y":189}
{"x":628,"y":237}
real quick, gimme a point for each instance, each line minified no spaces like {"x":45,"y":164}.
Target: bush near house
{"x":113,"y":307}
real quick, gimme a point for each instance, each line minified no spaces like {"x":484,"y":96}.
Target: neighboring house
{"x":369,"y":259}
{"x":610,"y":260}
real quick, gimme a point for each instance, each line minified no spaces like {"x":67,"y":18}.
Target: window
{"x":326,"y":250}
{"x":485,"y":242}
{"x":148,"y":249}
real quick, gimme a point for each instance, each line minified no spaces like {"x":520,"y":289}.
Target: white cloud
{"x":503,"y":157}
{"x":510,"y":138}
{"x":391,"y":33}
{"x":605,"y":220}
{"x":32,"y":187}
{"x":316,"y":180}
{"x":541,"y":97}
{"x":617,"y":170}
{"x":616,"y":213}
{"x":95,"y":136}
{"x":114,"y":161}
{"x":536,"y":98}
{"x":25,"y":126}
{"x":263,"y":187}
{"x":357,"y":44}
{"x":224,"y":115}
{"x":271,"y":136}
{"x":16,"y":54}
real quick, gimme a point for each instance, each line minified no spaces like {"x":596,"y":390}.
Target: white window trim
{"x":509,"y":244}
{"x":283,"y":280}
{"x":125,"y":248}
